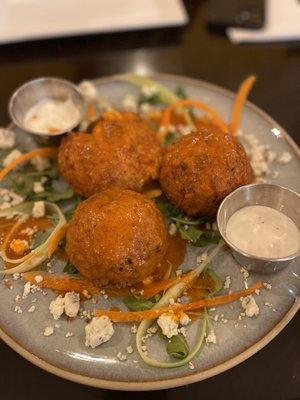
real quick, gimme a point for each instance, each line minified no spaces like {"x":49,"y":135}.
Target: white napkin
{"x":36,"y":19}
{"x":282,"y":24}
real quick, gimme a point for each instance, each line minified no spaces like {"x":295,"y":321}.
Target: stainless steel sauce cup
{"x":278,"y":197}
{"x":33,"y":91}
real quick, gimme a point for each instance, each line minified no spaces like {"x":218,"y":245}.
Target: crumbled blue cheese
{"x":31,"y":309}
{"x":69,"y":304}
{"x":29,"y":231}
{"x":38,"y":209}
{"x":48,"y":331}
{"x":72,"y":303}
{"x":202,"y":257}
{"x":12,"y":156}
{"x":98,"y":331}
{"x":17,"y":298}
{"x":227,"y":282}
{"x":250,"y":306}
{"x":130,"y":103}
{"x":145,"y":109}
{"x":40,"y":163}
{"x":245,"y":273}
{"x":18,"y":310}
{"x":148,"y":91}
{"x":38,"y":278}
{"x":171,"y":301}
{"x":88,"y":91}
{"x":184,"y":319}
{"x":69,"y":334}
{"x":121,"y":356}
{"x":191,"y":365}
{"x":260,"y":154}
{"x":8,"y":198}
{"x":7,"y":138}
{"x":152,"y":330}
{"x":172,"y":229}
{"x":26,"y":290}
{"x":16,"y":276}
{"x":133,"y":329}
{"x":284,"y":158}
{"x":57,"y":307}
{"x":168,"y":325}
{"x":129,"y":349}
{"x":38,"y":187}
{"x":185,"y":129}
{"x":268,"y":286}
{"x":211,"y":337}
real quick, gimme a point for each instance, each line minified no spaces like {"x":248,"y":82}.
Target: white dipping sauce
{"x":50,"y":116}
{"x":263,"y":231}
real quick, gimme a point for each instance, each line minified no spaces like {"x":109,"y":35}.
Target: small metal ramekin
{"x":278,"y":197}
{"x":33,"y":91}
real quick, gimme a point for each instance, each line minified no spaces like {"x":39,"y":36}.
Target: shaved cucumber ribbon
{"x":38,"y":255}
{"x":166,"y":95}
{"x":174,"y":292}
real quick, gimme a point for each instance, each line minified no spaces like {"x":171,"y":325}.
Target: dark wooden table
{"x":195,"y":51}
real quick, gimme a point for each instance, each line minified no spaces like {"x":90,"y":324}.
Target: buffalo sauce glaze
{"x":173,"y":259}
{"x":24,"y":232}
{"x":174,"y":256}
{"x":200,"y":288}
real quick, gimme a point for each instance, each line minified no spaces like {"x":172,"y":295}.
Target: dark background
{"x":198,"y":52}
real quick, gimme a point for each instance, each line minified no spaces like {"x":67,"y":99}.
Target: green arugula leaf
{"x":207,"y":238}
{"x":54,"y":195}
{"x":170,"y":138}
{"x":191,"y":234}
{"x":40,"y":237}
{"x":69,"y":268}
{"x":218,"y":284}
{"x":136,"y":304}
{"x":69,"y":213}
{"x":155,"y":298}
{"x":155,"y":100}
{"x":177,"y":347}
{"x":22,"y":185}
{"x":180,"y":92}
{"x":168,"y":209}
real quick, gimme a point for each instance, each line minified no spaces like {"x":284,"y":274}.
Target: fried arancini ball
{"x":202,"y":168}
{"x":121,"y":152}
{"x":117,"y":238}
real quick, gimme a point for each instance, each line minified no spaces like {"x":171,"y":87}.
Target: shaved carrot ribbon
{"x":154,"y":288}
{"x":91,"y":113}
{"x":50,"y":152}
{"x":67,"y":283}
{"x":128,"y":316}
{"x":64,"y":283}
{"x":241,"y":97}
{"x":166,"y":118}
{"x":57,"y":237}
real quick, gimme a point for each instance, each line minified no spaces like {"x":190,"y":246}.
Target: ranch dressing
{"x":50,"y":116}
{"x":263,"y":231}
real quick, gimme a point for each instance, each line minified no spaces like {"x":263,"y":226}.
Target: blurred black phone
{"x":239,"y":13}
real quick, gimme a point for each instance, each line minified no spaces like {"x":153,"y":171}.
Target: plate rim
{"x":191,"y":377}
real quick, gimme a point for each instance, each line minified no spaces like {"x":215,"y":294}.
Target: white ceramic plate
{"x":236,"y":340}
